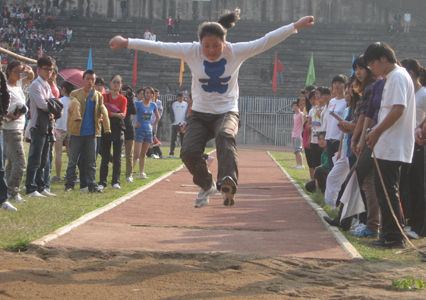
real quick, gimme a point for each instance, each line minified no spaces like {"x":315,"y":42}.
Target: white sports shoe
{"x":7,"y":206}
{"x":48,"y":194}
{"x":36,"y":194}
{"x":116,"y":186}
{"x":18,"y":198}
{"x":203,"y":196}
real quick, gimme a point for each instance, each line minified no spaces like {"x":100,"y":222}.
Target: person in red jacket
{"x":170,"y":22}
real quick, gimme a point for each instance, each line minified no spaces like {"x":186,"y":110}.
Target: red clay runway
{"x":269,"y":218}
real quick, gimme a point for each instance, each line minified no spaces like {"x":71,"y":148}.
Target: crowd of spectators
{"x":23,"y":30}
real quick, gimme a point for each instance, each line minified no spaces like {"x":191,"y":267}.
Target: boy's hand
{"x":304,"y":22}
{"x":372,"y":139}
{"x":118,"y":42}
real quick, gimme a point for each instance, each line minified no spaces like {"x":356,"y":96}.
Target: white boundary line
{"x":340,"y":238}
{"x":91,"y":215}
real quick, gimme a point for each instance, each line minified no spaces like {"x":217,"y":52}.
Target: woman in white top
{"x":215,"y":64}
{"x":13,"y":126}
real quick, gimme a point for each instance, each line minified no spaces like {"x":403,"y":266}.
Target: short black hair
{"x":69,"y":87}
{"x":45,"y":61}
{"x":310,"y":88}
{"x":100,"y":80}
{"x":321,"y":133}
{"x":325,"y":91}
{"x":377,"y":50}
{"x":90,"y":72}
{"x":340,"y":78}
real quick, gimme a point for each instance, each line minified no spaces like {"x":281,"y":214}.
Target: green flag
{"x":311,"y":72}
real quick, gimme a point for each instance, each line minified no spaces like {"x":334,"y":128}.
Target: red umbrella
{"x":73,"y":76}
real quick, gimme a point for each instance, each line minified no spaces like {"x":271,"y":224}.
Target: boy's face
{"x":322,"y":142}
{"x":338,"y":87}
{"x":377,"y":67}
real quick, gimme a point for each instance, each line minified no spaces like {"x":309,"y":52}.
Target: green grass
{"x":301,"y":176}
{"x":40,"y":216}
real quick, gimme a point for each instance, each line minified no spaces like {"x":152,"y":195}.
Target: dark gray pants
{"x":201,"y":127}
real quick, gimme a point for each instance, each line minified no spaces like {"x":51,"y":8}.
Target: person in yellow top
{"x":85,"y":108}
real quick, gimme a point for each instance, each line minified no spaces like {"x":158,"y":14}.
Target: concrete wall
{"x":325,"y":11}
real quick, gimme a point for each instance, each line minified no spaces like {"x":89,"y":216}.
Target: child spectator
{"x":321,"y":171}
{"x":297,"y":134}
{"x":61,"y":134}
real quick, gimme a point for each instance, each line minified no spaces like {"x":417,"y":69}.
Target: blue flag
{"x":89,"y":61}
{"x":353,"y":59}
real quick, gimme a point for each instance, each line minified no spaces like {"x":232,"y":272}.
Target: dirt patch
{"x":83,"y":274}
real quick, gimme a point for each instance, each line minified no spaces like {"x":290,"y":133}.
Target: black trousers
{"x":412,"y":187}
{"x":390,"y":173}
{"x":201,"y":127}
{"x":173,"y":139}
{"x":117,"y":145}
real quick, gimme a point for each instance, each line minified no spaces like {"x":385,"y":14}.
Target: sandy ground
{"x":79,"y":274}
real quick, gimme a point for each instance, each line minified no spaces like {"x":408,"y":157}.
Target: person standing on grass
{"x":116,"y":118}
{"x":61,"y":134}
{"x":85,"y":109}
{"x":38,"y":155}
{"x":143,"y":129}
{"x":297,"y":135}
{"x":178,"y":110}
{"x":337,"y":106}
{"x":392,"y":139}
{"x":13,"y":127}
{"x":214,"y":64}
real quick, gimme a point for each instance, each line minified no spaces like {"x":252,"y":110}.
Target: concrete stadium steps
{"x":332,"y":45}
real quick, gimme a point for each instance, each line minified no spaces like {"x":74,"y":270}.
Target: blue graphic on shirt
{"x":215,"y":83}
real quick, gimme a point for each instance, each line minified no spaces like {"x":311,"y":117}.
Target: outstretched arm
{"x":304,"y":22}
{"x":245,"y":50}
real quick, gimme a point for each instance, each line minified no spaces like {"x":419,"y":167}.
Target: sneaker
{"x":84,"y":189}
{"x":381,"y":242}
{"x":18,"y":198}
{"x":116,"y":186}
{"x":142,"y":176}
{"x":210,"y":159}
{"x":203,"y":196}
{"x":47,"y":194}
{"x":410,"y":233}
{"x":55,"y":178}
{"x":36,"y":194}
{"x":365,"y":233}
{"x":129,"y":179}
{"x":228,"y":189}
{"x":7,"y":206}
